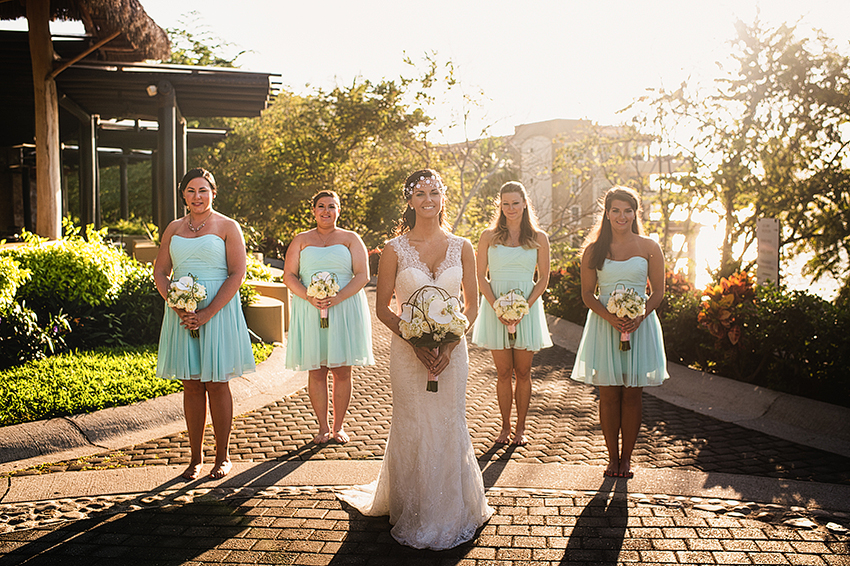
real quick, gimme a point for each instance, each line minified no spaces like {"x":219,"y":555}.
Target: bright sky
{"x":534,"y":60}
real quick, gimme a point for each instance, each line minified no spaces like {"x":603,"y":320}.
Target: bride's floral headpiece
{"x":433,"y":181}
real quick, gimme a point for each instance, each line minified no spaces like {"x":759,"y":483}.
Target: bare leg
{"x":317,"y":389}
{"x":221,"y":411}
{"x":522,"y":368}
{"x":342,"y":397}
{"x":195,"y":411}
{"x":504,"y":362}
{"x":631,"y":412}
{"x":610,"y":403}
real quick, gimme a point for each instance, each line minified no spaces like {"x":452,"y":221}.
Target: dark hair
{"x":323,"y":194}
{"x":194,"y":174}
{"x":528,"y":224}
{"x":598,"y":241}
{"x":408,"y":218}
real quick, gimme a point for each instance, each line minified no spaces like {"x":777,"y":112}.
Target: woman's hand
{"x":438,"y":359}
{"x":193,"y":320}
{"x":629,"y":325}
{"x":325,"y":303}
{"x":507,"y":322}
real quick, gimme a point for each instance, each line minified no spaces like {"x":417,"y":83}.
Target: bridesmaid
{"x":210,"y":247}
{"x":509,"y":253}
{"x":617,"y":253}
{"x":347,"y":340}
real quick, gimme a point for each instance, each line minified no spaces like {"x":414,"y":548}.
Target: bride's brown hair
{"x":408,"y":218}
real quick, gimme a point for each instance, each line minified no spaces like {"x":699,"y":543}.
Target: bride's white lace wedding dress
{"x":430,"y":483}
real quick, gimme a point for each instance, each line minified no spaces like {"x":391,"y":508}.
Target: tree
{"x":359,"y":141}
{"x":771,"y":140}
{"x":473,"y":168}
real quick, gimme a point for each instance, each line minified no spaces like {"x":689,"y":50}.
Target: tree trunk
{"x":47,"y":155}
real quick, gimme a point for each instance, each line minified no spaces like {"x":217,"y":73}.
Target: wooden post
{"x":47,"y":155}
{"x":125,"y":184}
{"x":167,"y":155}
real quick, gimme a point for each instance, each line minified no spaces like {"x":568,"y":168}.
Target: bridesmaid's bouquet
{"x":511,"y":306}
{"x":626,"y":302}
{"x":322,"y":285}
{"x":185,"y":293}
{"x":429,"y":318}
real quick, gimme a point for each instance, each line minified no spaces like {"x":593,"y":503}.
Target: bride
{"x":430,"y":484}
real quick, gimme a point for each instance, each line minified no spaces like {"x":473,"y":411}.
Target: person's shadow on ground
{"x":600,"y":529}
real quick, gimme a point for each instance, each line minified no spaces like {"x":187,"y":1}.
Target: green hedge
{"x":787,"y":341}
{"x":83,"y":382}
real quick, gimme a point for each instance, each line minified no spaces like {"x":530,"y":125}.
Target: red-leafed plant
{"x":726,"y":306}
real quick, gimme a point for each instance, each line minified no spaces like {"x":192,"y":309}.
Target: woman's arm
{"x":386,"y":286}
{"x":657,"y":276}
{"x":544,"y":266}
{"x":482,"y":263}
{"x":162,"y":266}
{"x":469,"y":282}
{"x":359,"y":269}
{"x":588,"y":291}
{"x":292,"y":268}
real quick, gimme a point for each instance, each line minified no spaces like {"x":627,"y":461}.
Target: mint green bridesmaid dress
{"x":348,"y":339}
{"x":223,"y":349}
{"x":511,"y":268}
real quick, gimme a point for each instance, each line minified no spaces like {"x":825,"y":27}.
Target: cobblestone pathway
{"x":563,"y":427}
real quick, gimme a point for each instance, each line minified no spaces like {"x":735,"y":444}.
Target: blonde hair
{"x":528,"y":226}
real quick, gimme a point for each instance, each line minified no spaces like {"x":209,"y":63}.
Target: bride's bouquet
{"x":626,"y":302}
{"x":185,"y":293}
{"x":322,"y":285}
{"x":429,"y":318}
{"x":511,"y":306}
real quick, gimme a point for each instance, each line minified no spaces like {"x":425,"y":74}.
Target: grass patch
{"x":84,"y":382}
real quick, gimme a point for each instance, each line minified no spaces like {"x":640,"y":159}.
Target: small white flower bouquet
{"x":432,"y":317}
{"x":511,"y":306}
{"x":626,"y":302}
{"x":185,"y":293}
{"x":322,"y":285}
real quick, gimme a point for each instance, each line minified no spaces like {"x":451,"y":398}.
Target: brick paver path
{"x":193,"y":525}
{"x":562,"y":422}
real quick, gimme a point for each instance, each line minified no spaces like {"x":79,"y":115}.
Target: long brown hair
{"x":408,"y":218}
{"x":528,"y":226}
{"x":598,"y":241}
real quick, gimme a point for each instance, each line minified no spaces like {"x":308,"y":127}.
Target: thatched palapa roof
{"x":139,"y":37}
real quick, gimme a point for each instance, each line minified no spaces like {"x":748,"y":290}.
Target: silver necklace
{"x":192,"y":228}
{"x":324,"y":240}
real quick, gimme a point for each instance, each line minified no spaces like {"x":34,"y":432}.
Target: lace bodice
{"x":413,"y":273}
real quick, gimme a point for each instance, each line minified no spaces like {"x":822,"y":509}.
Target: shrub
{"x":11,"y":277}
{"x":802,"y":344}
{"x":374,"y":260}
{"x":25,"y":340}
{"x":563,"y":295}
{"x":72,"y":273}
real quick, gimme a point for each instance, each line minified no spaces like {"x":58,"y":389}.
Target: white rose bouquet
{"x":626,"y":302}
{"x":511,"y":306}
{"x":429,"y":318}
{"x":322,"y":285}
{"x":185,"y":293}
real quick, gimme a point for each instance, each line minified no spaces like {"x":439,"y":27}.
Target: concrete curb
{"x":61,"y":439}
{"x":804,"y":421}
{"x":686,"y":483}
